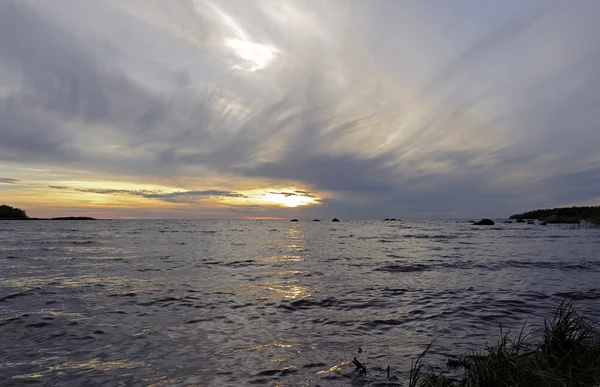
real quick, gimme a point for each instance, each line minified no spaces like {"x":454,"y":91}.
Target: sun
{"x":287,"y":200}
{"x":289,"y":197}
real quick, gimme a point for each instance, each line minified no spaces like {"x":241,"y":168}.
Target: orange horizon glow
{"x":119,"y":200}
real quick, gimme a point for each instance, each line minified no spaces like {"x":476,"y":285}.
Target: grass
{"x":566,"y":355}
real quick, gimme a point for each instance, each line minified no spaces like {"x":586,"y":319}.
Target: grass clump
{"x":568,"y":355}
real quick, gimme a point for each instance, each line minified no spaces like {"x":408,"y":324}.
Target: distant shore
{"x":66,"y":218}
{"x":13,"y":213}
{"x":568,"y":215}
{"x":59,"y":218}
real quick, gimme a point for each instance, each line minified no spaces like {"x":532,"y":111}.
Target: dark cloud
{"x":8,"y":180}
{"x":499,"y":117}
{"x":105,"y":191}
{"x":177,"y":196}
{"x":328,"y":172}
{"x":294,"y":193}
{"x":569,"y":187}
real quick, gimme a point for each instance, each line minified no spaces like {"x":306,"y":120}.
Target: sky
{"x":241,"y":109}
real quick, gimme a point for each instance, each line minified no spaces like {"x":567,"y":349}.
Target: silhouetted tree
{"x":12,"y":212}
{"x":562,"y":215}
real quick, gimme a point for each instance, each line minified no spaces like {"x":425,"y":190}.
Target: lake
{"x":235,"y":303}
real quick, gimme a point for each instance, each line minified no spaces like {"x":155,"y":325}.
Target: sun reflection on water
{"x":274,"y":290}
{"x":288,"y":291}
{"x":282,"y":258}
{"x":257,"y":347}
{"x":334,"y":368}
{"x":99,"y":365}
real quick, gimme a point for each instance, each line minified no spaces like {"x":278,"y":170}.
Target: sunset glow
{"x":290,"y":201}
{"x":277,"y":197}
{"x":99,"y":196}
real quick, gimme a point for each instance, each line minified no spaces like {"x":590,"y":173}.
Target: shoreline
{"x":566,"y":354}
{"x":59,"y":218}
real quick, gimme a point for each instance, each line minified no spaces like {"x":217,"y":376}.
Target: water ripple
{"x":268,"y":302}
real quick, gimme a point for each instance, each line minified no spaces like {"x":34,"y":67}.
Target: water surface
{"x":219,"y":303}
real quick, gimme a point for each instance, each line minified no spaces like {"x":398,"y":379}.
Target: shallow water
{"x":219,"y":303}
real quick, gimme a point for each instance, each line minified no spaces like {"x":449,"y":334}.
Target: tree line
{"x":12,"y":212}
{"x":563,"y":215}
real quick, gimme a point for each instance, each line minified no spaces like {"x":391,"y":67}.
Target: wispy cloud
{"x":292,"y":193}
{"x":8,"y":180}
{"x":177,"y":196}
{"x":402,"y":107}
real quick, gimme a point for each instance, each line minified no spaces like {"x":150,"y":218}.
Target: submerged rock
{"x":520,"y":220}
{"x":484,"y":222}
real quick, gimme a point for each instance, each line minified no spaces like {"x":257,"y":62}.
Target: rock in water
{"x":335,"y":220}
{"x":484,"y":222}
{"x":294,"y":220}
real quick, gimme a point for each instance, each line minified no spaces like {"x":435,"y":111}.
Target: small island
{"x":73,"y":218}
{"x":568,"y":215}
{"x":8,"y":212}
{"x":13,"y":213}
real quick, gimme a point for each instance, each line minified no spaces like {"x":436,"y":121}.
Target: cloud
{"x":8,"y":180}
{"x":174,"y":197}
{"x":288,"y":194}
{"x":392,"y":107}
{"x":335,"y":173}
{"x":106,"y":191}
{"x":183,"y":196}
